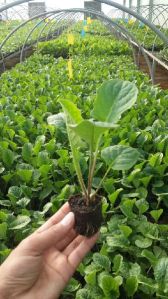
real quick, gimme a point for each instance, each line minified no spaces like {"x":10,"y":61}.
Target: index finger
{"x":57,"y":217}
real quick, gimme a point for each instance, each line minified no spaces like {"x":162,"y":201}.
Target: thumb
{"x":42,"y":240}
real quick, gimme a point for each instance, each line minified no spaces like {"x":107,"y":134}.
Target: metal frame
{"x":124,"y":31}
{"x":126,"y":34}
{"x":14,"y":3}
{"x":137,"y":16}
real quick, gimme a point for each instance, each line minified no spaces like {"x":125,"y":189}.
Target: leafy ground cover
{"x":17,"y":40}
{"x":37,"y":174}
{"x":164,"y":54}
{"x":90,"y":45}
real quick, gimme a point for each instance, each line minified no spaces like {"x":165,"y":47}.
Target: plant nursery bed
{"x":11,"y":60}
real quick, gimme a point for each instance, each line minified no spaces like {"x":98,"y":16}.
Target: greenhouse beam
{"x":137,"y":16}
{"x":14,"y":3}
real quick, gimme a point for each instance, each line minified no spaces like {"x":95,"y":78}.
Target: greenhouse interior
{"x":83,"y":190}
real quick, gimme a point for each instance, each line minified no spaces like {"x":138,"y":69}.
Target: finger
{"x":73,"y":245}
{"x":77,"y":255}
{"x":39,"y":242}
{"x":58,"y":216}
{"x":66,"y":241}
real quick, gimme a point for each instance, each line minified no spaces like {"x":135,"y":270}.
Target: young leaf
{"x":161,"y":273}
{"x":156,"y":214}
{"x":142,"y":242}
{"x":142,"y":205}
{"x":73,"y":116}
{"x":127,"y":207}
{"x":131,"y":285}
{"x":120,"y":157}
{"x":91,"y":131}
{"x":57,"y":120}
{"x":20,"y":222}
{"x":113,"y":98}
{"x":3,"y":231}
{"x":27,"y":151}
{"x":117,"y":263}
{"x":71,"y":111}
{"x":107,"y":283}
{"x":126,"y":230}
{"x":8,"y":157}
{"x":102,"y":261}
{"x":149,"y":256}
{"x":90,"y":278}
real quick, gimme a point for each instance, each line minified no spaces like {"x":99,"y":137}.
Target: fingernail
{"x":68,"y":219}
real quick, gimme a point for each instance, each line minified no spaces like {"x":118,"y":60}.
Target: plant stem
{"x":93,"y":164}
{"x":79,"y":173}
{"x":89,"y":175}
{"x":159,"y":201}
{"x":77,"y":165}
{"x":101,"y":182}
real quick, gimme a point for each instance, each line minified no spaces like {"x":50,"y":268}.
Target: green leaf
{"x":126,"y":230}
{"x":73,"y":116}
{"x":91,"y":278}
{"x":149,"y":256}
{"x":131,"y":285}
{"x":3,"y":231}
{"x":46,"y":192}
{"x":84,"y":294}
{"x":72,"y":113}
{"x":20,"y":222}
{"x":142,"y":205}
{"x":57,"y":120}
{"x":156,"y":159}
{"x":5,"y":203}
{"x":117,"y":241}
{"x":142,"y":242}
{"x":15,"y":192}
{"x":161,"y":273}
{"x":107,"y":283}
{"x":72,"y":286}
{"x":102,"y":261}
{"x":91,"y":131}
{"x":127,"y":206}
{"x":43,"y":158}
{"x":117,"y":263}
{"x":23,"y":202}
{"x":113,"y":197}
{"x":47,"y":207}
{"x":3,"y":216}
{"x":8,"y":157}
{"x":44,"y":170}
{"x":160,"y":190}
{"x":27,"y":151}
{"x":120,"y":157}
{"x":156,"y":214}
{"x":113,"y":98}
{"x":25,"y":174}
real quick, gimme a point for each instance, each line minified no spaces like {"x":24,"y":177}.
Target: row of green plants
{"x":143,"y":34}
{"x":89,"y":45}
{"x":17,"y":39}
{"x":37,"y":173}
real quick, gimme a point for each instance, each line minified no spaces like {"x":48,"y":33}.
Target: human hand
{"x":42,"y":264}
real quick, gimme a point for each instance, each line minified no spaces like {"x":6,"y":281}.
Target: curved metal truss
{"x":158,"y":14}
{"x":49,"y":25}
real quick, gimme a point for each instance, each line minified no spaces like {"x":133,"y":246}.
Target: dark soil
{"x":88,"y":219}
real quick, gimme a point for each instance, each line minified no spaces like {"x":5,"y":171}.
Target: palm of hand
{"x":41,"y":266}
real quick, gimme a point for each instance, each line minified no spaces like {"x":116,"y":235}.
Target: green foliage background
{"x":37,"y":175}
